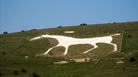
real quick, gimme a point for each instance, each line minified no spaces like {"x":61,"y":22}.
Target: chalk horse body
{"x":68,"y":41}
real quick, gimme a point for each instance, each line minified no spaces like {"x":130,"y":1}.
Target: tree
{"x":3,"y":53}
{"x":15,"y":72}
{"x":1,"y":74}
{"x":5,"y":33}
{"x":132,"y":59}
{"x":33,"y":29}
{"x":22,"y":31}
{"x":129,"y":36}
{"x":23,"y":70}
{"x":59,"y":26}
{"x":35,"y":74}
{"x":83,"y":24}
{"x":114,"y":22}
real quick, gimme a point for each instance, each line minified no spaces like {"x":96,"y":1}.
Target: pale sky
{"x":17,"y":15}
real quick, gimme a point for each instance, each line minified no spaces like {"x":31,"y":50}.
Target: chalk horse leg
{"x":115,"y":47}
{"x":95,"y":46}
{"x":66,"y":50}
{"x":49,"y":50}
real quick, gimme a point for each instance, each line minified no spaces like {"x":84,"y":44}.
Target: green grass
{"x":130,"y":38}
{"x":15,"y":46}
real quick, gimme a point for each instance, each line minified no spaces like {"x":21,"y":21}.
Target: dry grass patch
{"x":76,"y":51}
{"x":57,"y":52}
{"x":102,"y":51}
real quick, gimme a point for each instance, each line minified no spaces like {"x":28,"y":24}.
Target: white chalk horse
{"x":68,"y":41}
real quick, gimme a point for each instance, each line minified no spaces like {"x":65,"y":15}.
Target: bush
{"x":33,"y":29}
{"x":129,"y":36}
{"x":132,"y":59}
{"x":59,"y":26}
{"x":3,"y":53}
{"x":22,"y":31}
{"x":1,"y":74}
{"x":23,"y":70}
{"x":15,"y":72}
{"x":35,"y":74}
{"x":5,"y":33}
{"x":83,"y":24}
{"x":114,"y":22}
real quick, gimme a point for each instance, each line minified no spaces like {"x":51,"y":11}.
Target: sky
{"x":17,"y":15}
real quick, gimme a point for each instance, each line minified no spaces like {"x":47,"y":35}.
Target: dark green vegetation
{"x":14,"y":47}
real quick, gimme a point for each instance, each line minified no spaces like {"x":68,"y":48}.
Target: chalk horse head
{"x":39,"y":37}
{"x":66,"y":41}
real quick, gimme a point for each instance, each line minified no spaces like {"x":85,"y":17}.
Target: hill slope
{"x":16,"y":47}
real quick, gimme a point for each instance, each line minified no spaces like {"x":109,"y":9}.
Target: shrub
{"x":15,"y":72}
{"x":114,"y":22}
{"x":22,"y":31}
{"x":83,"y":24}
{"x":59,"y":26}
{"x":33,"y":30}
{"x":1,"y":74}
{"x":3,"y":53}
{"x":23,"y":70}
{"x":5,"y":33}
{"x":129,"y":36}
{"x":132,"y":59}
{"x":35,"y":74}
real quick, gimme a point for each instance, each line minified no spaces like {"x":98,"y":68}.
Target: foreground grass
{"x":106,"y":67}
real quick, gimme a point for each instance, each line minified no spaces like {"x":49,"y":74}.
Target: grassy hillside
{"x":14,"y":47}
